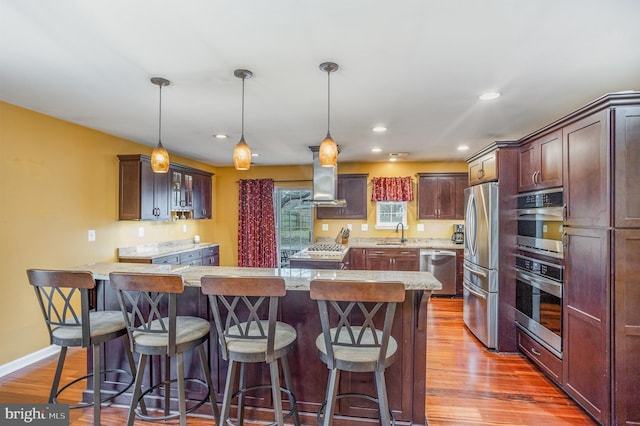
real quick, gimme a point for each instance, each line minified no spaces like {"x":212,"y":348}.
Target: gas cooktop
{"x":326,"y":248}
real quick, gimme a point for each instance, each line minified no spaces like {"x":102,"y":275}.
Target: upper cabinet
{"x":353,"y":189}
{"x":441,"y":195}
{"x":143,"y":195}
{"x":540,"y":163}
{"x":484,"y":169}
{"x":182,"y":193}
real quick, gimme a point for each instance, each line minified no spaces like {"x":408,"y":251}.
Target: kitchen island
{"x":406,"y":379}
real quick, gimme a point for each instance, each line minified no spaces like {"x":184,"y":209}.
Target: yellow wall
{"x":57,"y":181}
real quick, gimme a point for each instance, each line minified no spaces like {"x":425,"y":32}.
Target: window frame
{"x":391,"y":225}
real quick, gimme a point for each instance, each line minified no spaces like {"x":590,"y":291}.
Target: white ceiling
{"x":414,"y":66}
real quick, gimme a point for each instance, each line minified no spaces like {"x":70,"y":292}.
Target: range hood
{"x":325,"y":183}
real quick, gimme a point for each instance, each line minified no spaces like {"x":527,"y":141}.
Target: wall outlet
{"x":325,"y":226}
{"x":421,"y":227}
{"x":184,"y":227}
{"x":91,"y":235}
{"x":364,"y":227}
{"x":350,"y":227}
{"x":141,"y":231}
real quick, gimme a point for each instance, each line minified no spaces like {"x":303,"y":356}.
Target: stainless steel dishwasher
{"x":442,"y":265}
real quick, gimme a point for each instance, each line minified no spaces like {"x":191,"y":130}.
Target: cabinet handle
{"x":538,"y":173}
{"x":565,"y":240}
{"x":536,"y":353}
{"x":480,"y":173}
{"x":564,"y":212}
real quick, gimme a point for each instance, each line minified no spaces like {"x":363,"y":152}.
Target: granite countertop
{"x":436,"y":243}
{"x":295,"y":279}
{"x":153,"y":250}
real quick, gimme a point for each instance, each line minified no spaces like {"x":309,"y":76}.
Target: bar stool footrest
{"x":292,"y":400}
{"x":320,"y":416}
{"x":102,"y":401}
{"x":199,"y":404}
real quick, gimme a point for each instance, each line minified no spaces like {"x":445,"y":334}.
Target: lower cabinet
{"x":544,"y":359}
{"x":208,"y":256}
{"x":392,"y":259}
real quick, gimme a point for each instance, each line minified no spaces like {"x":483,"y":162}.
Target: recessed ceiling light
{"x":489,"y":96}
{"x":463,"y":148}
{"x":376,"y":149}
{"x":220,"y":136}
{"x":379,"y":129}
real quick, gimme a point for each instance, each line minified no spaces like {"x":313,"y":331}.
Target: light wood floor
{"x":466,"y":384}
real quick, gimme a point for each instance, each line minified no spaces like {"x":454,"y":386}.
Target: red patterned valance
{"x":392,"y":189}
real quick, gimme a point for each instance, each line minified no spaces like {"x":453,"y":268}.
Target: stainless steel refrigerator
{"x":481,"y":244}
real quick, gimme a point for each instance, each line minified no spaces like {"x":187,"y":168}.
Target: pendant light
{"x":159,"y":155}
{"x":242,"y":152}
{"x":328,"y":153}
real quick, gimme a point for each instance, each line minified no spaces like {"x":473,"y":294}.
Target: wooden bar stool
{"x":143,"y":298}
{"x":57,"y":293}
{"x":350,"y":340}
{"x":248,"y":334}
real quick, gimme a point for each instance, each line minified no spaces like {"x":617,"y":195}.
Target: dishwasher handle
{"x":435,"y":252}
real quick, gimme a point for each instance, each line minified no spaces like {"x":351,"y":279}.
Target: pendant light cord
{"x":242,"y":126}
{"x":328,"y":103}
{"x":160,"y":115}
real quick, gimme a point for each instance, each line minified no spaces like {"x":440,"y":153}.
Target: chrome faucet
{"x":402,"y":238}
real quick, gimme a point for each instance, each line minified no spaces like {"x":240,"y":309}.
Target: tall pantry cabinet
{"x":601,"y":330}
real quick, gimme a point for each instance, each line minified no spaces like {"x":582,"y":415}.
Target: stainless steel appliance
{"x":442,"y":265}
{"x":540,"y":218}
{"x":539,"y":301}
{"x":458,"y":234}
{"x":480,"y":294}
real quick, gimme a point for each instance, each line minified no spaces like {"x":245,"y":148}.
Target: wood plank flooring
{"x":466,"y":384}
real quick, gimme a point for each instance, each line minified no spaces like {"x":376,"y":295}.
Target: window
{"x":294,"y":221}
{"x":390,"y":213}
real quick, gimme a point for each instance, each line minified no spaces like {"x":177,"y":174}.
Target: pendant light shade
{"x":242,"y":152}
{"x":159,"y":155}
{"x":328,"y":152}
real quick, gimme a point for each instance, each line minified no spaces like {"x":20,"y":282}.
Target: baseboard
{"x":28,"y":359}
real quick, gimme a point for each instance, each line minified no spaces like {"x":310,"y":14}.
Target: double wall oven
{"x":539,"y":267}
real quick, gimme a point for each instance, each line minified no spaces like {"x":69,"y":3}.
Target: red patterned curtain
{"x":257,"y":245}
{"x":392,"y":189}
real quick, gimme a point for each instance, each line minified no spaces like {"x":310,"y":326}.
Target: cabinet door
{"x":586,"y":329}
{"x":427,"y":197}
{"x":446,"y":198}
{"x":484,"y":169}
{"x":154,"y":197}
{"x":550,"y":161}
{"x":201,"y":196}
{"x":586,"y":171}
{"x":378,"y":260}
{"x":353,"y":189}
{"x":406,"y":260}
{"x":357,"y":258}
{"x":462,"y":182}
{"x":626,"y":352}
{"x":527,"y":167}
{"x":627,"y":172}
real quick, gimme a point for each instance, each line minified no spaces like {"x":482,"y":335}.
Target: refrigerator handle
{"x":474,"y":272}
{"x":475,"y":293}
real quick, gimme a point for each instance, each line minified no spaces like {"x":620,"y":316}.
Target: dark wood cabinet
{"x":392,"y":259}
{"x":353,"y":189}
{"x":357,"y":258}
{"x":586,"y":171}
{"x":207,"y":256}
{"x":441,"y":195}
{"x":626,"y":350}
{"x":542,"y":357}
{"x":484,"y":168}
{"x":540,"y":163}
{"x":459,"y":272}
{"x":627,"y":170}
{"x":143,"y":194}
{"x":586,"y":329}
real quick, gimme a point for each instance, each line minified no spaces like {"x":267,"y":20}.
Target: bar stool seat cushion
{"x":102,"y":322}
{"x":285,"y":336}
{"x":356,"y":354}
{"x":187,"y":329}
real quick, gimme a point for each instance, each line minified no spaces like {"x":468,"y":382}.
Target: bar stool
{"x":245,"y":336}
{"x":143,"y":298}
{"x":350,"y":340}
{"x":57,"y":293}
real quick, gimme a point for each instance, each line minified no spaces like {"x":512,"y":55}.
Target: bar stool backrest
{"x":148,"y":303}
{"x":350,"y":307}
{"x":57,"y":293}
{"x":240,"y":309}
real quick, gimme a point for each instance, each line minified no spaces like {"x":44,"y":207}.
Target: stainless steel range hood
{"x":325,"y":183}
